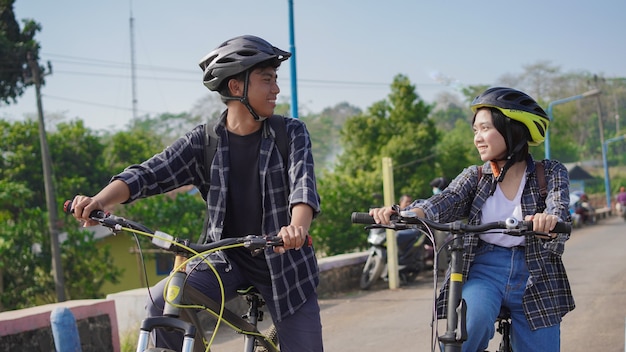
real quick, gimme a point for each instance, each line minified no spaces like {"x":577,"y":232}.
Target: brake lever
{"x":522,"y":232}
{"x":544,"y":235}
{"x":394,"y":226}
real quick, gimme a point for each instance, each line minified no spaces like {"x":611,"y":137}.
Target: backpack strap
{"x":278,"y":125}
{"x":541,"y":179}
{"x":210,"y":147}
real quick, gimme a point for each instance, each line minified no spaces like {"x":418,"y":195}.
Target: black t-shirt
{"x":244,"y":207}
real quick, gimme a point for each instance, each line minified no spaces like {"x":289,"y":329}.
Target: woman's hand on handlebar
{"x":382,"y":215}
{"x":542,"y":222}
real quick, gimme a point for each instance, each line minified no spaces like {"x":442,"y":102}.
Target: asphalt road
{"x":399,"y":320}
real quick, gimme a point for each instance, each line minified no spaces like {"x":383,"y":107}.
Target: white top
{"x":497,"y":208}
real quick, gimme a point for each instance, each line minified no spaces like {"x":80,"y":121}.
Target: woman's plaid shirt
{"x":548,"y":296}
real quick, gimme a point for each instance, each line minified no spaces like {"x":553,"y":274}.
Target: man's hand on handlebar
{"x":294,"y":237}
{"x":82,"y":206}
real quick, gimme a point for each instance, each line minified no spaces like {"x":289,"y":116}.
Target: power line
{"x":125,"y":65}
{"x":76,"y":101}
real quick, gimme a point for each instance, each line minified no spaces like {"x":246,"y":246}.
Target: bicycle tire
{"x":272,"y":335}
{"x":371,"y":271}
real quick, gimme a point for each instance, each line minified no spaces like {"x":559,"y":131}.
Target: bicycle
{"x":184,"y":301}
{"x":456,"y":331}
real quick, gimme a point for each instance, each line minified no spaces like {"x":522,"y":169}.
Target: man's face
{"x":263,"y":90}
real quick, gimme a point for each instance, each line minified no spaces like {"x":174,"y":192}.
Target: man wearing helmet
{"x":253,"y":190}
{"x":524,"y":274}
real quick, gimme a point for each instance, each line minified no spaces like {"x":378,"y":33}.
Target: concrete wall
{"x":29,"y":329}
{"x":340,"y":273}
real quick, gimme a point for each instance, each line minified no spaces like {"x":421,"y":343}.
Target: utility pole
{"x":132,"y":63}
{"x":57,"y":269}
{"x":294,"y":78}
{"x":600,"y":123}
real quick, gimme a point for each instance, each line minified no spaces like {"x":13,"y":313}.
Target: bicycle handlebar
{"x":511,"y":225}
{"x":177,"y":245}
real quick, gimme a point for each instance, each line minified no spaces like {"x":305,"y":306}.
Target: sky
{"x":346,"y":50}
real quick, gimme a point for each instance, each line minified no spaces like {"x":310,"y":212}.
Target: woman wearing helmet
{"x":253,"y":190}
{"x":524,"y":274}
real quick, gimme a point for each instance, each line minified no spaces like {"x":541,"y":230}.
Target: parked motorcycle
{"x":415,"y":254}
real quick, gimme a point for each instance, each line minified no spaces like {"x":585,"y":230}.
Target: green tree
{"x":397,"y":128}
{"x":20,"y":156}
{"x":126,"y":148}
{"x":21,"y":265}
{"x":448,"y":109}
{"x":456,"y":150}
{"x":15,"y":46}
{"x":24,"y":249}
{"x":179,"y":213}
{"x":78,"y":160}
{"x":324,"y":129}
{"x":86,"y":267}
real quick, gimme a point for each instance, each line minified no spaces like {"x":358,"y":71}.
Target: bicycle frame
{"x":456,"y":331}
{"x":178,"y":292}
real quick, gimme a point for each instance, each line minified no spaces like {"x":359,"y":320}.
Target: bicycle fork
{"x":171,"y":312}
{"x":254,"y":315}
{"x":456,"y":331}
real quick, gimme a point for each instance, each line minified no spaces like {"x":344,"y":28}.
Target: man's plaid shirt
{"x":295,"y":273}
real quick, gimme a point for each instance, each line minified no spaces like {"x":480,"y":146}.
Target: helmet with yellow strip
{"x":518,"y":106}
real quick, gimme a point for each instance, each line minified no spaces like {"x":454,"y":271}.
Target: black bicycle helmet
{"x":237,"y":55}
{"x":517,"y":106}
{"x":439,"y":182}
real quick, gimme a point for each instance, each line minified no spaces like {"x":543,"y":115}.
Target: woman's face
{"x":488,"y":141}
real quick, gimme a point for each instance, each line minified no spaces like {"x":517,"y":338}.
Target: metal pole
{"x":392,"y":243}
{"x":57,"y":269}
{"x":547,"y":141}
{"x":600,"y":123}
{"x":607,"y":181}
{"x":292,"y":49}
{"x":562,"y":101}
{"x":133,"y":77}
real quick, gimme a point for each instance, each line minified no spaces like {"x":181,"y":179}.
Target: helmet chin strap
{"x":244,"y":99}
{"x":500,"y":172}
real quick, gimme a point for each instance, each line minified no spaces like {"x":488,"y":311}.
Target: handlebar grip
{"x":560,"y":227}
{"x":95,"y":214}
{"x":362,"y":218}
